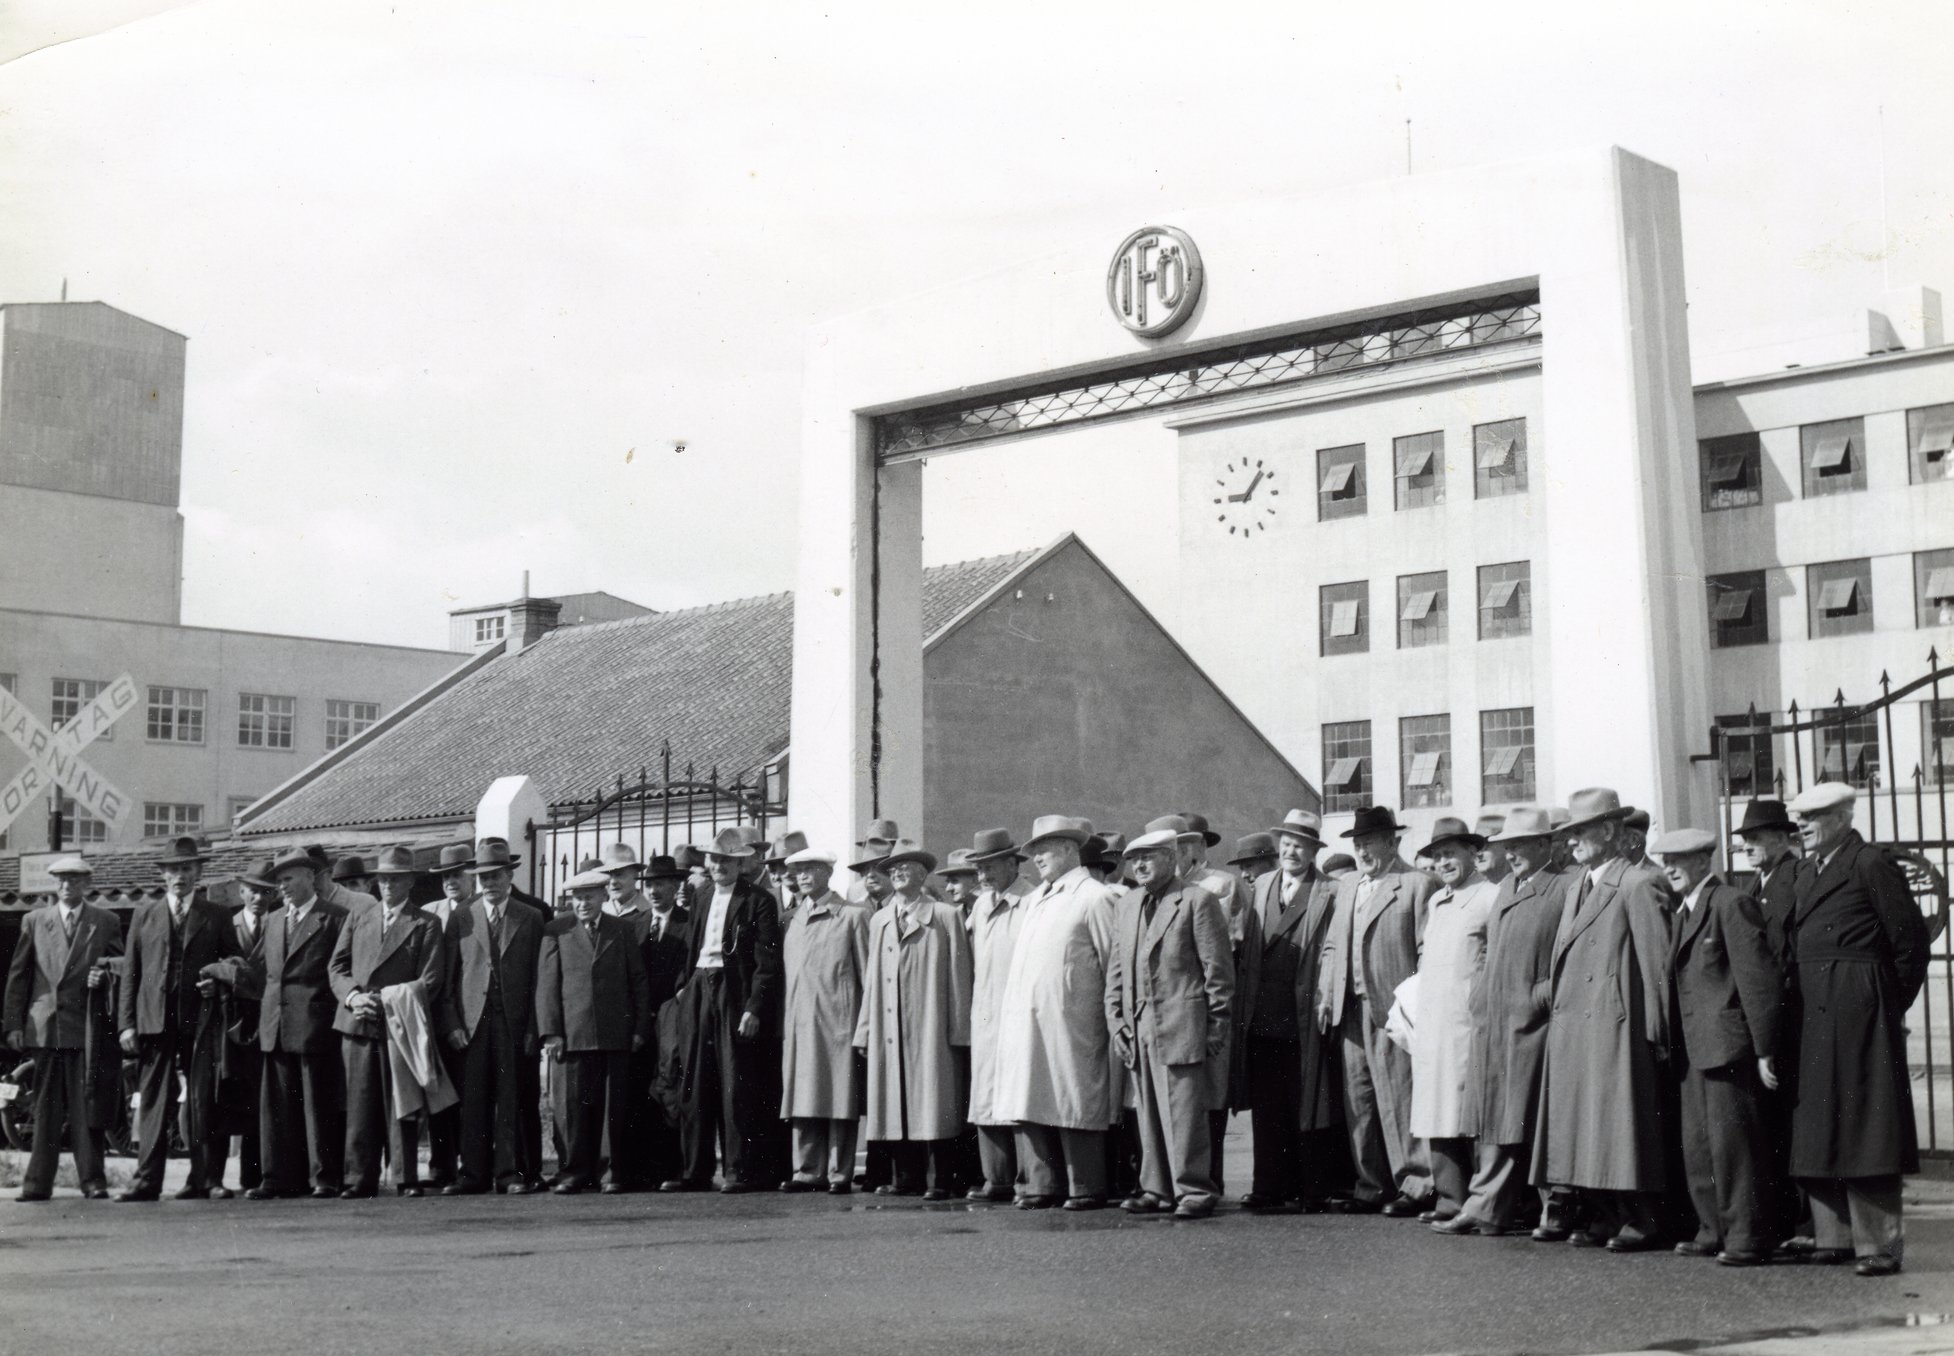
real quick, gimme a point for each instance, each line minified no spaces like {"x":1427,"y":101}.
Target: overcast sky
{"x":458,"y":277}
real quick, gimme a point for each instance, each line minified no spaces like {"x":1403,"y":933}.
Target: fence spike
{"x":1918,"y":778}
{"x":1838,"y":698}
{"x":1884,"y":681}
{"x":1792,"y":710}
{"x":1933,"y":657}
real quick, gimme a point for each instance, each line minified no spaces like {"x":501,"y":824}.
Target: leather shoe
{"x":1256,"y":1200}
{"x":569,"y":1186}
{"x":32,"y":1197}
{"x":996,"y":1195}
{"x":1143,"y":1203}
{"x":324,"y":1194}
{"x":259,"y":1193}
{"x":465,"y":1187}
{"x":936,"y":1194}
{"x":1188,"y":1210}
{"x":356,"y":1194}
{"x":193,"y":1193}
{"x":95,"y":1193}
{"x":127,"y":1196}
{"x":221,"y":1193}
{"x":1458,"y":1224}
{"x":612,"y":1189}
{"x":1037,"y":1202}
{"x":1403,"y":1207}
{"x":1742,"y":1259}
{"x":521,"y":1188}
{"x":1552,"y":1233}
{"x":1583,"y":1238}
{"x":1879,"y":1264}
{"x":840,"y":1188}
{"x":1083,"y":1203}
{"x":794,"y":1186}
{"x":1349,"y":1205}
{"x":1632,"y":1239}
{"x":1829,"y":1257}
{"x":682,"y":1184}
{"x":736,"y":1188}
{"x":1696,"y":1248}
{"x":412,"y":1191}
{"x":1434,"y":1217}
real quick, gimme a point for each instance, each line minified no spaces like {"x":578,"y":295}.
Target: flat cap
{"x":1821,"y":797}
{"x":71,"y":865}
{"x":1157,"y":838}
{"x":594,"y":879}
{"x":1682,"y":842}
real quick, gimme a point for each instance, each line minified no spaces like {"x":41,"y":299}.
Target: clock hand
{"x":1248,"y":493}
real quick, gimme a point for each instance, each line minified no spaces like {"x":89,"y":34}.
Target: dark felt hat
{"x":1373,"y":819}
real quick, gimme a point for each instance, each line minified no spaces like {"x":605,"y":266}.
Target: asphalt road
{"x":813,"y":1274}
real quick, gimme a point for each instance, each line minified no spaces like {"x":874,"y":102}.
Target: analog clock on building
{"x":1245,"y":496}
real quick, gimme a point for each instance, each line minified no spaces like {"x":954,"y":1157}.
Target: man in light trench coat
{"x":993,"y":923}
{"x":824,"y":960}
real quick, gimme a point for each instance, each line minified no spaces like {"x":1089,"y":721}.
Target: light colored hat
{"x":751,"y":835}
{"x":1525,"y":821}
{"x":881,"y":831}
{"x":909,"y":850}
{"x":1557,"y":816}
{"x":395,"y":861}
{"x":1821,"y":797}
{"x":785,"y":845}
{"x":454,"y":857}
{"x":1058,"y":826}
{"x":1157,"y":838}
{"x":1683,"y":842}
{"x":620,"y":857}
{"x":1301,"y":824}
{"x":73,"y":865}
{"x":1592,"y":805}
{"x":1175,"y":824}
{"x":588,"y":880}
{"x":1450,"y":829}
{"x":730,"y":843}
{"x":809,"y":857}
{"x":958,"y":864}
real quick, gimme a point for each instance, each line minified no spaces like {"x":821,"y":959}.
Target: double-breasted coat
{"x":1278,"y":983}
{"x":298,"y":1009}
{"x":1861,"y":949}
{"x":915,"y":1014}
{"x":1601,"y":1123}
{"x":370,"y":956}
{"x":159,"y":993}
{"x":591,"y":989}
{"x":1511,"y":1004}
{"x":1449,"y":971}
{"x":993,"y":927}
{"x":1174,"y":982}
{"x":48,"y":999}
{"x":1054,"y":1061}
{"x":1385,"y":933}
{"x":1726,"y":983}
{"x":824,"y":959}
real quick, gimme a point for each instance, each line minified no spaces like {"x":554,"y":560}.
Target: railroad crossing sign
{"x":54,"y":756}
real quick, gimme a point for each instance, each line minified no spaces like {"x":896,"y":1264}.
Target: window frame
{"x":1756,"y":614}
{"x":1340,"y":740}
{"x":1406,"y":493}
{"x":89,"y":689}
{"x":490,"y":629}
{"x":1927,"y":611}
{"x":1328,"y":597}
{"x":1749,"y":757}
{"x":1354,"y":500}
{"x":175,"y":711}
{"x":1496,"y":483}
{"x":1925,"y":467}
{"x":1513,"y":617}
{"x":1508,"y":756}
{"x":1937,"y":736}
{"x":1432,"y":626}
{"x":1857,"y":739}
{"x":1746,"y":488}
{"x":1816,"y":443}
{"x":174,"y":824}
{"x":267,"y":715}
{"x":1425,"y":741}
{"x":1839,"y":598}
{"x":75,"y":820}
{"x":355,"y":724}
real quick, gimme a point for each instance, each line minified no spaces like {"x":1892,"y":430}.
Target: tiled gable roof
{"x":589,"y":703}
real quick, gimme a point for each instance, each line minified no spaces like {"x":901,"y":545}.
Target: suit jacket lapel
{"x":1814,"y":886}
{"x":296,"y":940}
{"x":391,"y":938}
{"x":1163,"y":918}
{"x":1293,"y":911}
{"x":1380,"y":900}
{"x":602,"y":939}
{"x":84,"y":929}
{"x":1693,"y":919}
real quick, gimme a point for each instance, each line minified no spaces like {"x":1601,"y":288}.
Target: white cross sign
{"x":54,"y":757}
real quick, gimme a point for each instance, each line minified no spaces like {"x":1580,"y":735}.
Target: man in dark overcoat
{"x":159,"y":1017}
{"x":1509,"y":1030}
{"x":1861,"y":949}
{"x":1727,"y":996}
{"x":1770,"y":842}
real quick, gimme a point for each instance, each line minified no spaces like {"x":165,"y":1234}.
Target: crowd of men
{"x":1543,"y":1024}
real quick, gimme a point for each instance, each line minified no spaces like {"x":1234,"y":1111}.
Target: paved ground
{"x":813,"y":1274}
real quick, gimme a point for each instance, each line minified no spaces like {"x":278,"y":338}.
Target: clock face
{"x":1245,"y":497}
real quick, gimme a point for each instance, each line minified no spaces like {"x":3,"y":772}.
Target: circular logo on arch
{"x":1154,"y":281}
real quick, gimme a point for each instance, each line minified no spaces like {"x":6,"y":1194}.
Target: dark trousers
{"x":61,"y":1102}
{"x":250,"y":1161}
{"x":596,"y":1092}
{"x":1275,"y":1080}
{"x":501,"y":1107}
{"x":302,"y":1121}
{"x":371,"y":1125}
{"x":164,"y":1057}
{"x":734,"y":1100}
{"x":444,"y":1127}
{"x":1725,"y":1149}
{"x":1217,"y":1146}
{"x":920,"y":1164}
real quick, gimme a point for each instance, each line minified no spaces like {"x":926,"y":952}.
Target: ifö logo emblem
{"x":1154,"y":281}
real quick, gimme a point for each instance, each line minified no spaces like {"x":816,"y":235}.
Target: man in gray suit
{"x":1169,"y":982}
{"x":1374,"y":941}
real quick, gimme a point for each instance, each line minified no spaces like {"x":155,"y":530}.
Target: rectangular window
{"x":1738,"y":615}
{"x":1848,"y":751}
{"x":70,"y":695}
{"x":1505,"y":600}
{"x":1340,"y":490}
{"x":1834,"y":456}
{"x":1839,"y":595}
{"x":1933,"y":588}
{"x":1425,"y":759}
{"x":1733,"y":471}
{"x":1419,"y":461}
{"x":1747,"y":757}
{"x":265,"y":722}
{"x":78,"y":827}
{"x":1344,"y":617}
{"x":1499,"y":458}
{"x":236,"y":806}
{"x":1422,"y":610}
{"x":176,"y":715}
{"x":488,"y":630}
{"x":1346,"y":766}
{"x":1937,"y":741}
{"x":1930,"y":444}
{"x":1506,"y":756}
{"x":163,"y":820}
{"x":345,"y":720}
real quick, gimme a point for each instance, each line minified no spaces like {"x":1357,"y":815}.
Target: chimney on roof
{"x":530,"y":619}
{"x":1908,"y":318}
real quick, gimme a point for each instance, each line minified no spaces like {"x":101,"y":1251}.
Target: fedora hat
{"x":493,"y":855}
{"x":989,"y":844}
{"x":880,"y":831}
{"x":1489,"y":823}
{"x":1448,"y":829}
{"x":589,"y":864}
{"x":72,"y":865}
{"x":395,"y":861}
{"x":296,"y":857}
{"x":909,"y":850}
{"x":730,"y":843}
{"x":1058,"y":826}
{"x":1592,"y":805}
{"x":350,"y":868}
{"x":752,"y":835}
{"x":785,"y":845}
{"x":1338,"y":861}
{"x":454,"y":857}
{"x":1525,"y":821}
{"x":1174,"y":824}
{"x":1683,"y":843}
{"x":1301,"y":824}
{"x":1557,"y":816}
{"x":1373,"y":819}
{"x":620,"y":857}
{"x":957,"y":864}
{"x":1252,"y":847}
{"x":482,"y":846}
{"x":1637,"y":820}
{"x":1199,"y":824}
{"x":1766,"y":814}
{"x":321,"y":859}
{"x":687,"y":857}
{"x":261,"y":879}
{"x":183,"y":851}
{"x":661,"y":867}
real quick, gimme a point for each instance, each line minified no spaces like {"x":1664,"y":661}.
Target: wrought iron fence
{"x":1906,"y":813}
{"x":653,"y":815}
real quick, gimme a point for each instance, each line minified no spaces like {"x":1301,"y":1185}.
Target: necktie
{"x":68,"y":924}
{"x":495,"y":927}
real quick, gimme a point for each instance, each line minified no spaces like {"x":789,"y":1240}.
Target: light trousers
{"x":1861,"y":1213}
{"x":824,"y":1150}
{"x":1060,"y":1161}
